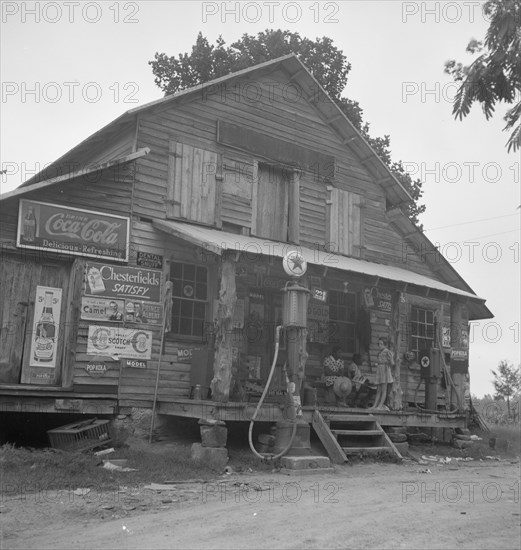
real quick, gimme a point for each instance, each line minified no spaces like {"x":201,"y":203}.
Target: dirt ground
{"x":472,"y":505}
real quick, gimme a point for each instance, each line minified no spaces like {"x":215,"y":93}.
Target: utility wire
{"x":474,"y":221}
{"x":484,"y":236}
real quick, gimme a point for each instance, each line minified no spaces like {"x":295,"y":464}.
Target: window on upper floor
{"x":191,"y":183}
{"x":275,"y":204}
{"x":345,"y":222}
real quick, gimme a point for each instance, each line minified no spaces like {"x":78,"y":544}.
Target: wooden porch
{"x":274,"y":412}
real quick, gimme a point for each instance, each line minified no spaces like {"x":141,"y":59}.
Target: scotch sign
{"x":66,"y":230}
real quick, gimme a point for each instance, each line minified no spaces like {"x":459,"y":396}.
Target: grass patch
{"x":45,"y":468}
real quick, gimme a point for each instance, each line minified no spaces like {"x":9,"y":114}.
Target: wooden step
{"x":367,"y":433}
{"x":329,"y":441}
{"x":349,"y":418}
{"x":366,"y":450}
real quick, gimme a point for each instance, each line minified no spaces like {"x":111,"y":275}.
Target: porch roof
{"x":217,"y":242}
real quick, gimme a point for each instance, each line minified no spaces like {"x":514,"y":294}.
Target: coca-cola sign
{"x":74,"y":231}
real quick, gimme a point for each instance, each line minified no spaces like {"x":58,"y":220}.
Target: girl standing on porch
{"x":383,"y":373}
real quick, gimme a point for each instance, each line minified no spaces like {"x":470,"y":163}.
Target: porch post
{"x":395,"y":399}
{"x":457,"y":326}
{"x":222,"y":366}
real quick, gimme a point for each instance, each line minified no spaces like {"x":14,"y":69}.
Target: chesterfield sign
{"x":67,"y":230}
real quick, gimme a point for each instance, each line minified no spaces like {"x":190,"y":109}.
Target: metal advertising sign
{"x":96,"y":369}
{"x":67,"y":230}
{"x":139,"y":311}
{"x":147,"y":259}
{"x":119,"y":342}
{"x":377,"y":298}
{"x":459,"y":361}
{"x":101,"y":309}
{"x":46,"y":326}
{"x":121,"y":281}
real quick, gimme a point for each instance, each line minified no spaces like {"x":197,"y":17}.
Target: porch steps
{"x":366,"y":433}
{"x":360,"y":434}
{"x":365,"y":450}
{"x":330,"y":442}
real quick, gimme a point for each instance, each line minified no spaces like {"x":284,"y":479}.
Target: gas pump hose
{"x":259,"y":405}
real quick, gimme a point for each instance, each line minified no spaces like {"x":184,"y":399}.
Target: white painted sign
{"x":116,"y":341}
{"x":46,"y":327}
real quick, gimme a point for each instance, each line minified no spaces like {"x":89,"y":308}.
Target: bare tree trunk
{"x":222,"y":367}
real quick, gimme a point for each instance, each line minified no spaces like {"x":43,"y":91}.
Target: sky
{"x":69,"y":68}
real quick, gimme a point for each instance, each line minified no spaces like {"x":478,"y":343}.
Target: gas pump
{"x":294,"y":320}
{"x":294,"y":433}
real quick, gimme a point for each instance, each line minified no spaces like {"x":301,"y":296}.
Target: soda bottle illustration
{"x":29,"y":225}
{"x":45,"y":332}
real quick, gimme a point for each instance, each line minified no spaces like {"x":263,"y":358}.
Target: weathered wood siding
{"x":193,"y":122}
{"x":109,"y":191}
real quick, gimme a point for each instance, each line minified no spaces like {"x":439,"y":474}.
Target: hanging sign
{"x":67,"y":230}
{"x":121,"y":281}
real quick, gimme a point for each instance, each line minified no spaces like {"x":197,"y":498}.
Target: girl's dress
{"x":383,"y":373}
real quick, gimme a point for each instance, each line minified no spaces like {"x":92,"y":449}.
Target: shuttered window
{"x":345,"y":224}
{"x":275,"y":205}
{"x":192,"y":183}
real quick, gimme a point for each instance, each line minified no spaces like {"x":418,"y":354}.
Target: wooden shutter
{"x":193,"y":178}
{"x":271,"y":208}
{"x":345,"y":222}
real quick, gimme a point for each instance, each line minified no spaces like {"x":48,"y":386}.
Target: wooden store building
{"x":175,"y":217}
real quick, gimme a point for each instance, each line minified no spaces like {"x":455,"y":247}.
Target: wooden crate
{"x":80,"y":436}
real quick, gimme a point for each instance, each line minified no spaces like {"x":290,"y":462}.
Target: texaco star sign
{"x":294,"y":264}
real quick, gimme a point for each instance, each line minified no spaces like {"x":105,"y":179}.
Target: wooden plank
{"x":335,"y":452}
{"x":333,"y":226}
{"x":73,"y":300}
{"x":171,"y":180}
{"x":389,"y":442}
{"x":294,"y":208}
{"x":273,"y":148}
{"x":255,"y":198}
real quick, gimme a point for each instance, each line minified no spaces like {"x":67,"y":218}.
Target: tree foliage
{"x":507,"y":382}
{"x":495,"y":75}
{"x":326,"y":62}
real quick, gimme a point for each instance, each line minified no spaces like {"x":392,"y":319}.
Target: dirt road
{"x":472,"y":505}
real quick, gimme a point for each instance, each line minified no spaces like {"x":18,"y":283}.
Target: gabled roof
{"x":297,"y":72}
{"x":328,"y":111}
